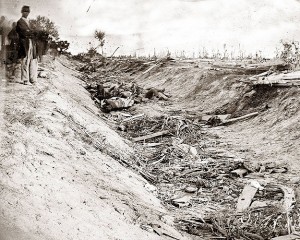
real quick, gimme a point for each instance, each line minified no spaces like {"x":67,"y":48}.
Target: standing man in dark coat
{"x":2,"y":40}
{"x":12,"y":56}
{"x":13,"y":36}
{"x":27,"y":48}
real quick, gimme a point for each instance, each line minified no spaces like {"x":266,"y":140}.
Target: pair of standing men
{"x":27,"y":48}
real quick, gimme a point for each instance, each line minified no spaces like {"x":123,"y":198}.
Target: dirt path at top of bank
{"x":59,"y":176}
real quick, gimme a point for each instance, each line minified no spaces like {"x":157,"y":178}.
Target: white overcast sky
{"x":142,"y":25}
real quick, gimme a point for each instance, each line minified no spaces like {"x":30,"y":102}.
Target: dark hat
{"x":25,"y":9}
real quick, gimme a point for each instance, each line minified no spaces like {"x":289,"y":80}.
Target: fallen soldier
{"x":154,"y":92}
{"x":116,"y":103}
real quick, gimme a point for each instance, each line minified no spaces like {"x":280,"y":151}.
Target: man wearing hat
{"x":27,"y":48}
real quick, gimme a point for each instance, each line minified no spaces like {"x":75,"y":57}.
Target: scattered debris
{"x":216,"y":120}
{"x":251,"y":68}
{"x":245,"y":198}
{"x":42,"y":75}
{"x":181,"y":202}
{"x":113,"y":96}
{"x":241,"y":172}
{"x":159,"y":93}
{"x":133,"y":117}
{"x":143,"y":138}
{"x":256,"y":184}
{"x":289,"y":198}
{"x":232,"y":120}
{"x":277,"y":80}
{"x":288,"y":237}
{"x":116,"y":103}
{"x":209,"y":188}
{"x":190,"y":189}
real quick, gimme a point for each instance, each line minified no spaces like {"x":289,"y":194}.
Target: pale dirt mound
{"x":59,"y":176}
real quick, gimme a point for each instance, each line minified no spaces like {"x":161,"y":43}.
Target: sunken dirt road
{"x":59,"y":177}
{"x":68,"y":172}
{"x":232,"y":181}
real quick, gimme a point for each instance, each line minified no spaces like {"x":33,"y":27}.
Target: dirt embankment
{"x":59,"y":174}
{"x":200,"y":171}
{"x":271,"y":136}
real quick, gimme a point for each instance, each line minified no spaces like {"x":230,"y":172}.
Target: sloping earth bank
{"x":58,"y":170}
{"x":272,"y":136}
{"x":269,"y":140}
{"x":266,"y":145}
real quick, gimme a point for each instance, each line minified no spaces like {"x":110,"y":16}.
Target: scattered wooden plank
{"x":152,"y":144}
{"x":285,"y":84}
{"x":291,"y":78}
{"x":278,"y":80}
{"x":275,"y":80}
{"x":222,"y":117}
{"x":256,"y":77}
{"x":153,"y":135}
{"x":160,"y":160}
{"x":149,"y":69}
{"x":148,"y":176}
{"x":291,"y":75}
{"x":245,"y":198}
{"x":191,"y":171}
{"x":162,"y":96}
{"x":253,"y":236}
{"x":133,"y":117}
{"x":114,"y":52}
{"x":148,"y":63}
{"x":289,"y":198}
{"x":287,"y":237}
{"x":232,"y":120}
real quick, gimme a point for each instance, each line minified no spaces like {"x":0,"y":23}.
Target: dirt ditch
{"x":201,"y":170}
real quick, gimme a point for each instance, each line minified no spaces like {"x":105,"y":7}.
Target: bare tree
{"x":100,"y":36}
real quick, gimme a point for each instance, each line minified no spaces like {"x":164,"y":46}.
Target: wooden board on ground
{"x":289,"y":198}
{"x":279,"y":80}
{"x":222,"y":117}
{"x":287,"y":237}
{"x":245,"y":198}
{"x":232,"y":120}
{"x":153,"y":135}
{"x":133,"y":117}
